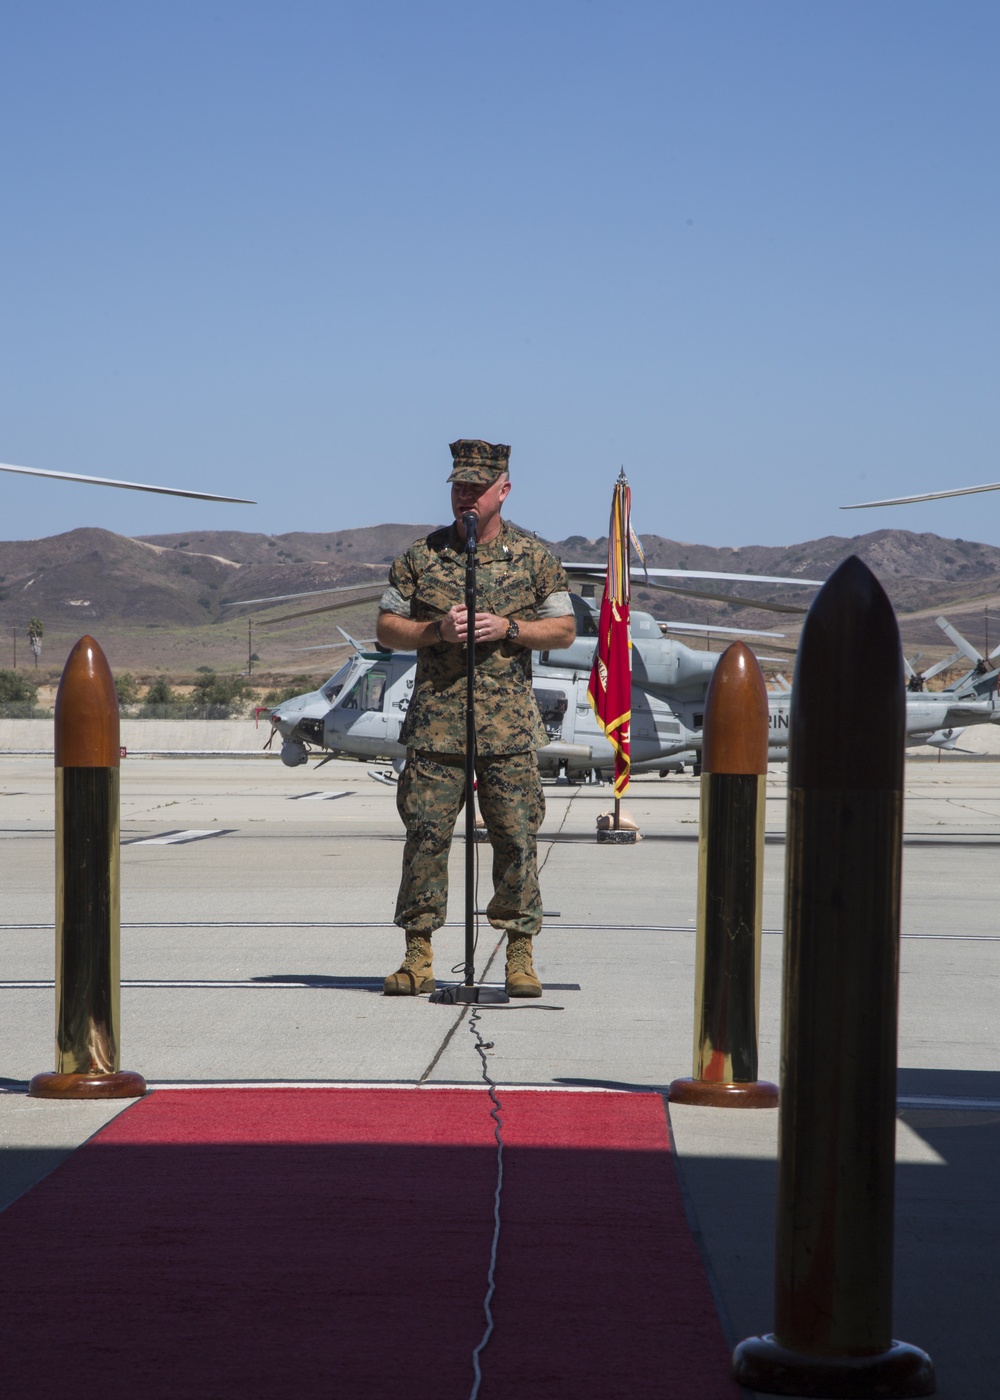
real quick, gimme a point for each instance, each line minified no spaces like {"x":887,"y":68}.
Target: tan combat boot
{"x":521,"y":978}
{"x":415,"y":974}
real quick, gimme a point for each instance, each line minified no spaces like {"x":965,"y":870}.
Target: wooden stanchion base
{"x":896,"y":1374}
{"x":760,"y":1093}
{"x":624,"y":836}
{"x":121,"y":1084}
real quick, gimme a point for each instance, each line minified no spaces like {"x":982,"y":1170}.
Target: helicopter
{"x":359,"y":711}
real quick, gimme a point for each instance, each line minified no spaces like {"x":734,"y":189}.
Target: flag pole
{"x":610,"y":688}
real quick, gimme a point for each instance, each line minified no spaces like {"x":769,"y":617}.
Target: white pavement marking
{"x":318,"y":796}
{"x":337,"y":984}
{"x":905,"y":1101}
{"x":452,"y":923}
{"x":956,"y":1103}
{"x":319,"y":982}
{"x":367,"y":1084}
{"x":178,"y":838}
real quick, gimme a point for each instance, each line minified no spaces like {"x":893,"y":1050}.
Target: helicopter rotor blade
{"x":126,"y":485}
{"x":639,"y":574}
{"x":948,"y":662}
{"x":711,"y":627}
{"x":371,"y":589}
{"x":785,"y":651}
{"x":956,"y":639}
{"x":343,"y":604}
{"x":327,"y":646}
{"x":736,"y":601}
{"x":927,"y":496}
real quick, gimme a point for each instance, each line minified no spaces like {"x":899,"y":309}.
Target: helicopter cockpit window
{"x":586,"y":622}
{"x":552,"y":706}
{"x":366,"y":693}
{"x":335,"y":684}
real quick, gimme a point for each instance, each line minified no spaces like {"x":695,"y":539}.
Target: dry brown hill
{"x":923,"y":575}
{"x":373,"y":544}
{"x":162,"y":598}
{"x":95,"y":576}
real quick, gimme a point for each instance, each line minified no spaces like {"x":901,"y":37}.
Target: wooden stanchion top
{"x":736,"y":715}
{"x":87,"y":730}
{"x":848,"y":717}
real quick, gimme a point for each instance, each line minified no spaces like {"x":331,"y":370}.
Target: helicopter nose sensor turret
{"x":293,"y":753}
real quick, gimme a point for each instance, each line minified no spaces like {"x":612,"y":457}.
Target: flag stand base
{"x":624,"y":836}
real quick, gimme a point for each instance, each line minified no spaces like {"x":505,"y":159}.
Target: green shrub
{"x":159,"y":693}
{"x":128,"y":689}
{"x":16,"y":689}
{"x":221,"y":696}
{"x":298,"y":685}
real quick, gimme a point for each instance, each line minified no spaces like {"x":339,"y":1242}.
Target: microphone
{"x":471,"y":522}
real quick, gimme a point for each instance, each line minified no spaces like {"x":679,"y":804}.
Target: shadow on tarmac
{"x":947,"y":1229}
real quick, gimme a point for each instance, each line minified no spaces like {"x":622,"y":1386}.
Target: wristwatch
{"x":513,"y":631}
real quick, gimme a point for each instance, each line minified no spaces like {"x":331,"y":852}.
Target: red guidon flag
{"x":610,"y":688}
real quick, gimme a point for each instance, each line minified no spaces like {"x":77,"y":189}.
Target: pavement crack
{"x":968,"y":807}
{"x":444,"y":1045}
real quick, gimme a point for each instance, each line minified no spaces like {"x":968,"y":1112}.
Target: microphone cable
{"x":495,"y":1113}
{"x":481,"y":1048}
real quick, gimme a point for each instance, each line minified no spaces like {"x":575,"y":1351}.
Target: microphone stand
{"x":468,"y":991}
{"x":471,"y":523}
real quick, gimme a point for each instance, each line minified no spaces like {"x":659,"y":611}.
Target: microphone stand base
{"x":479,"y":995}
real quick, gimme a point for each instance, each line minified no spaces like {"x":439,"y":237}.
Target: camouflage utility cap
{"x":479,"y":462}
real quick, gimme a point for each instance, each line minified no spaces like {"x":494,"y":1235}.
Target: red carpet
{"x":335,"y":1243}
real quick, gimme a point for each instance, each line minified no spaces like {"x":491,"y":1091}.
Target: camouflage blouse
{"x":515,"y":575}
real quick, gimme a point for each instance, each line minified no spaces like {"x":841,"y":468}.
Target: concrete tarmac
{"x":256,"y":929}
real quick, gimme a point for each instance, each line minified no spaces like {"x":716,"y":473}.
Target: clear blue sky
{"x":746,"y":248}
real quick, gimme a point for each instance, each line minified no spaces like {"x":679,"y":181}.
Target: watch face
{"x":512,"y":630}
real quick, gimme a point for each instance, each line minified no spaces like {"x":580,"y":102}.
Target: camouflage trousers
{"x":430,"y":795}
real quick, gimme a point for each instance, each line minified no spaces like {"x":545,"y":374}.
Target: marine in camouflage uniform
{"x":519,"y":585}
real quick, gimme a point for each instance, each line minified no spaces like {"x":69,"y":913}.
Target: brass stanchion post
{"x":730,"y":888}
{"x":87,"y":757}
{"x":834,"y":1249}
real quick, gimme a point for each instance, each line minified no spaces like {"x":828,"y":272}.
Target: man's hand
{"x":489,"y":627}
{"x":545,"y":633}
{"x":406,"y":634}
